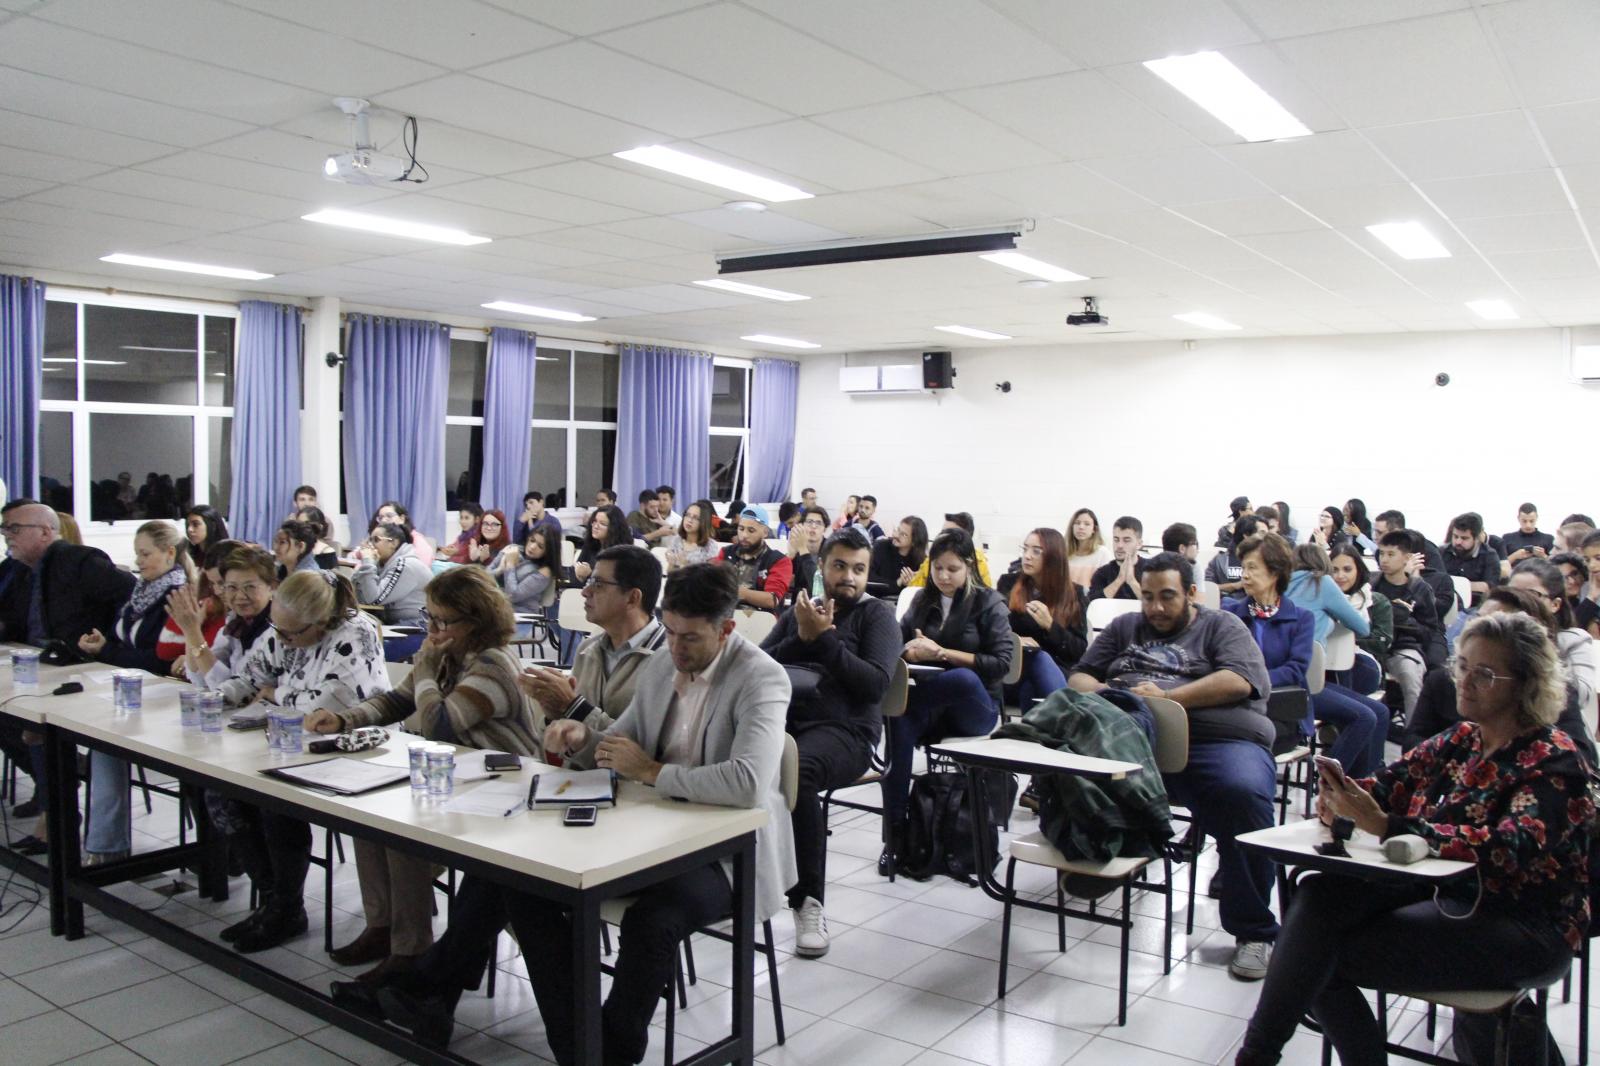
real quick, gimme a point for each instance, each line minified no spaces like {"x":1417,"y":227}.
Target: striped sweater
{"x":478,"y":703}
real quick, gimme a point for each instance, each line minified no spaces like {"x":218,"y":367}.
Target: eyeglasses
{"x":594,"y":581}
{"x":435,"y":622}
{"x":241,"y":590}
{"x":1478,"y":676}
{"x":291,"y":634}
{"x":12,"y":529}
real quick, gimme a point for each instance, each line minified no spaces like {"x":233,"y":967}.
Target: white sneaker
{"x":810,"y":930}
{"x":1250,"y":959}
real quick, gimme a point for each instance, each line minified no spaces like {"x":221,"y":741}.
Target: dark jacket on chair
{"x":83,"y":590}
{"x":979,"y":623}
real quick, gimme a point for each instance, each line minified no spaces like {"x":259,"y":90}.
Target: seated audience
{"x":1086,"y":547}
{"x":788,"y":519}
{"x":808,"y":498}
{"x":1575,"y":580}
{"x":705,"y":725}
{"x":322,"y":654}
{"x":528,"y":572}
{"x":534,"y":514}
{"x":325,"y":550}
{"x":305,"y":496}
{"x":607,"y":528}
{"x":1574,"y":645}
{"x":1356,"y":525}
{"x":961,"y":627}
{"x":207,"y":594}
{"x":866,"y":507}
{"x":1329,"y":533}
{"x":1468,"y":557}
{"x":840,"y":658}
{"x":1044,"y":610}
{"x":203,"y":526}
{"x":1506,"y":790}
{"x":961,"y":520}
{"x":1526,"y":542}
{"x":464,"y":689}
{"x":694,"y":543}
{"x":1119,"y":579}
{"x":666,"y":505}
{"x":762,"y":574}
{"x":391,"y":576}
{"x":1285,"y":527}
{"x":490,"y":538}
{"x":1226,"y":570}
{"x":1182,"y":538}
{"x":1282,"y":629}
{"x":728,"y":525}
{"x":1238,"y":507}
{"x":1266,"y":517}
{"x":161,"y":565}
{"x":847,"y":512}
{"x":1418,"y":644}
{"x":468,"y":515}
{"x":645,"y":523}
{"x":394,"y":513}
{"x":897,"y":557}
{"x":1572,"y":531}
{"x":1206,"y":661}
{"x":249,"y":576}
{"x":805,"y":548}
{"x":605,"y":498}
{"x":1349,"y":572}
{"x":1312,"y":586}
{"x":294,"y":545}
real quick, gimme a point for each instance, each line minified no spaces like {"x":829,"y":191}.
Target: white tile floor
{"x":910,"y":979}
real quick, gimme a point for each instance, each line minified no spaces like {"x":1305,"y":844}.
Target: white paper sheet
{"x":491,"y":799}
{"x":343,"y":775}
{"x":469,"y":764}
{"x":561,"y":787}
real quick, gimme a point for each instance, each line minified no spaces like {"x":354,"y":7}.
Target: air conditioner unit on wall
{"x":881,"y":380}
{"x":1586,"y":363}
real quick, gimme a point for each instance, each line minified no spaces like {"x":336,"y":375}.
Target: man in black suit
{"x":68,"y":589}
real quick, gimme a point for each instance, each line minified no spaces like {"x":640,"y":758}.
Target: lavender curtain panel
{"x":507,"y":409}
{"x":21,"y":382}
{"x":663,"y":422}
{"x":266,"y":419}
{"x":774,"y":397}
{"x":396,"y":377}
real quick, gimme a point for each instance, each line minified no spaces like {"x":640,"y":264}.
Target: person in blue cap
{"x":763,"y":572}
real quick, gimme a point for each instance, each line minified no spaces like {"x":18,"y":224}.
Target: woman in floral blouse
{"x":1505,"y":790}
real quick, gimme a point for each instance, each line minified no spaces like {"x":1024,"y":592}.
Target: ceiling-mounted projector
{"x":365,"y":165}
{"x":1089,"y":316}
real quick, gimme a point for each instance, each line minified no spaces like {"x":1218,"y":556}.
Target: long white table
{"x":644,"y":839}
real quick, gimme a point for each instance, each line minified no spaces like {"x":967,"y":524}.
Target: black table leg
{"x":61,"y":761}
{"x":744,"y":952}
{"x":586,"y":1027}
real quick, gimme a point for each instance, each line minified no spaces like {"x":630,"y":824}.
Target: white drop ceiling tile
{"x":1194,"y":175}
{"x":436,"y":209}
{"x":250,"y":245}
{"x":308,"y":186}
{"x":1321,"y":255}
{"x":521,"y":117}
{"x":1257,"y":214}
{"x":729,"y":45}
{"x":21,"y":163}
{"x":938,"y":134}
{"x":42,"y":135}
{"x":438,"y":143}
{"x":937,"y":44}
{"x":278,"y":50}
{"x":1428,"y":68}
{"x":636,"y":299}
{"x":1569,"y":131}
{"x":332,"y":237}
{"x":537,"y":252}
{"x":1327,"y":160}
{"x":1367,"y":205}
{"x":1081,"y":115}
{"x":176,"y":190}
{"x":690,"y":296}
{"x":608,"y":182}
{"x":823,"y":158}
{"x":624,"y":87}
{"x":116,"y":232}
{"x":1296,"y":18}
{"x":856,"y":215}
{"x":1547,"y":266}
{"x":679,"y":234}
{"x":12,"y":186}
{"x":87,"y":199}
{"x":1550,"y":45}
{"x":1058,"y":189}
{"x":1524,"y":233}
{"x":1099,"y":34}
{"x":596,"y":241}
{"x":1584,"y":181}
{"x":1488,"y":195}
{"x":84,"y":105}
{"x":1462,"y":147}
{"x":765,"y":227}
{"x":593,"y":16}
{"x":949,"y":204}
{"x":455,"y":33}
{"x":543,"y":203}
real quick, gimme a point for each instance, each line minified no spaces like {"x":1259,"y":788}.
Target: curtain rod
{"x":113,"y":291}
{"x":344,"y":315}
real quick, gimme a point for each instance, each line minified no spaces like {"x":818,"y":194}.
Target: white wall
{"x":1171,"y":435}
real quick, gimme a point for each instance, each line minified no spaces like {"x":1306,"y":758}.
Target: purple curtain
{"x":266,"y":419}
{"x":663,"y":422}
{"x":774,"y":396}
{"x":396,"y":377}
{"x":21,"y":382}
{"x":507,"y":409}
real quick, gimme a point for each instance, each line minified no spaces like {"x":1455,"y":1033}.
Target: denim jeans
{"x":953,"y":703}
{"x":1230,"y":786}
{"x":1041,"y":675}
{"x":1362,"y":724}
{"x":110,"y":815}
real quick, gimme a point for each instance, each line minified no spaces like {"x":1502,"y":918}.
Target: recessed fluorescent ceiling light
{"x":151,"y":348}
{"x":751,"y":290}
{"x":394,"y":227}
{"x":724,"y":177}
{"x":1209,"y":321}
{"x":538,"y":312}
{"x":1493,"y":310}
{"x":1027,"y":264}
{"x":981,"y":334}
{"x":1409,"y":240}
{"x":782,"y":342}
{"x":1229,"y":95}
{"x":188,"y":268}
{"x":89,"y":362}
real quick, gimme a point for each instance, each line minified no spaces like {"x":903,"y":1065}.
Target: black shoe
{"x":29,"y":845}
{"x":274,"y":928}
{"x":1214,"y":889}
{"x":28,"y":808}
{"x":250,"y":921}
{"x":357,"y":997}
{"x":430,"y":1018}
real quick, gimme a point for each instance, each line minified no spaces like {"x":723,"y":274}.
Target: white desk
{"x":1026,"y":757}
{"x":1295,"y":844}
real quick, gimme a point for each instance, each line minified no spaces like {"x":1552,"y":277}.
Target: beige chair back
{"x":569,"y":552}
{"x":1172,"y":734}
{"x":903,"y":604}
{"x":1101,"y":612}
{"x":570,"y":613}
{"x":1014,"y":674}
{"x":753,"y":625}
{"x":894,"y":701}
{"x":789,"y":772}
{"x":1340,"y":649}
{"x":1317,"y":676}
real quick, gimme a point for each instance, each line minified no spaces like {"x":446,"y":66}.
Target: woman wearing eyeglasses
{"x":321,"y":653}
{"x":1505,"y":790}
{"x":464,"y":685}
{"x":491,"y":539}
{"x":391,"y":576}
{"x":206,"y":595}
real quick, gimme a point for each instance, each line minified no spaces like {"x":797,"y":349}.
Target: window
{"x":463,"y":431}
{"x":463,"y":464}
{"x":730,"y":428}
{"x":469,"y":366}
{"x":136,"y":418}
{"x":574,"y":445}
{"x":594,"y":386}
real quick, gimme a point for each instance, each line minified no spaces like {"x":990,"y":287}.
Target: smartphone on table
{"x":584,"y":815}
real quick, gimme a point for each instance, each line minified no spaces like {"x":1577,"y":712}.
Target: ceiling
{"x":196,"y":129}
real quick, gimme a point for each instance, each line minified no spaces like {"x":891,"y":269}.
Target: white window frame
{"x":742,"y":432}
{"x":570,"y":424}
{"x":199,"y":413}
{"x":481,"y":337}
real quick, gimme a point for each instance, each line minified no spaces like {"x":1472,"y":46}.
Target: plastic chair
{"x":754,"y":625}
{"x":903,"y":604}
{"x":1100,"y":613}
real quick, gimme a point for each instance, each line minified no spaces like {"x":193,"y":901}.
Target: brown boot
{"x":388,"y":969}
{"x":371,"y":946}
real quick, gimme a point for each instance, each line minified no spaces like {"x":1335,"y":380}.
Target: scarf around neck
{"x":147,"y":593}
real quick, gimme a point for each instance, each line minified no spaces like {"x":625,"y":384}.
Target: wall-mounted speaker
{"x":937,"y":373}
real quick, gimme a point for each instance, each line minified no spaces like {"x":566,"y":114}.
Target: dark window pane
{"x":463,"y":464}
{"x":552,"y":388}
{"x":727,"y":474}
{"x":55,"y":459}
{"x":220,"y":448}
{"x":547,"y":460}
{"x":469,"y":362}
{"x":594,"y":397}
{"x":164,"y":447}
{"x":597,"y":457}
{"x":219,"y":362}
{"x":727,"y":397}
{"x":60,"y":351}
{"x":136,"y":356}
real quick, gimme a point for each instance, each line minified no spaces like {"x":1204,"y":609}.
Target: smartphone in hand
{"x":1331,"y":767}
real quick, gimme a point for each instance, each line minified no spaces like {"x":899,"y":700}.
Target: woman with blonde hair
{"x":463,"y":686}
{"x":1086,"y":547}
{"x":321,"y":654}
